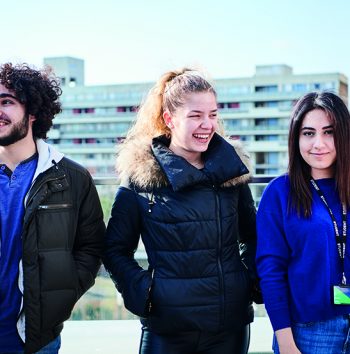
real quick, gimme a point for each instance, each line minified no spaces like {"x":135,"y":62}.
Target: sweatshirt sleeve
{"x":273,"y":255}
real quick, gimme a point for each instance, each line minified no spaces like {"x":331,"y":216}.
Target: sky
{"x":128,"y":41}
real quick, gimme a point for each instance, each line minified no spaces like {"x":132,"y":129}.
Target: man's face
{"x":14,"y":122}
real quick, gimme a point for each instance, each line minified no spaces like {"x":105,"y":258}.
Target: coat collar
{"x":221,"y":164}
{"x":148,"y":163}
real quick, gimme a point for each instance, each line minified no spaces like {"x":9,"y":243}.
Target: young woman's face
{"x":316,"y":143}
{"x":193,"y":125}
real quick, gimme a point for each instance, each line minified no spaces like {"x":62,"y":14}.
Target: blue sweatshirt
{"x":297,"y":258}
{"x":13,"y":188}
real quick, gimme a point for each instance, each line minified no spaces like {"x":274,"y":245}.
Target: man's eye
{"x":6,"y":102}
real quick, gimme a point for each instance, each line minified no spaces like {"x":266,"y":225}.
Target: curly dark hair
{"x":38,"y":91}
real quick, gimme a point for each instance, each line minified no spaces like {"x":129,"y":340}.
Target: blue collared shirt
{"x":13,"y":188}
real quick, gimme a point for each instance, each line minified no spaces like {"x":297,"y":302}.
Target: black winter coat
{"x":191,"y":222}
{"x":62,"y":246}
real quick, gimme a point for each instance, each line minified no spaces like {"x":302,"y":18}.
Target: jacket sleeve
{"x":122,"y":237}
{"x":88,"y":245}
{"x":247,"y":238}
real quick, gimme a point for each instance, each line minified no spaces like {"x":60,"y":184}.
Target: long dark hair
{"x":299,"y":171}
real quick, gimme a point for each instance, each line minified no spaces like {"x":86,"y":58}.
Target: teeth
{"x":201,"y":136}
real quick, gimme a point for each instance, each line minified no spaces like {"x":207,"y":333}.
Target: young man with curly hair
{"x":51,"y":222}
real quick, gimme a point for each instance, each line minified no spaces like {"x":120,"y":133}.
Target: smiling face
{"x":14,"y":123}
{"x":316,"y":143}
{"x":193,"y":125}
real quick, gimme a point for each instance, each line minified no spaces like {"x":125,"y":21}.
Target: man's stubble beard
{"x":18,"y":132}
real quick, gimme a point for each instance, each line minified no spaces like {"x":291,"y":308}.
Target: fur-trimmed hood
{"x":151,"y":164}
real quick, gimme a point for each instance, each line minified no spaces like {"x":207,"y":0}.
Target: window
{"x":266,"y":104}
{"x":266,"y":122}
{"x":266,"y":137}
{"x":262,"y":158}
{"x":299,"y":87}
{"x":233,"y":105}
{"x":266,"y":88}
{"x":231,"y":124}
{"x":72,"y":82}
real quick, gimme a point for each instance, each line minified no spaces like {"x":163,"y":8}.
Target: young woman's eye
{"x":308,"y":133}
{"x":329,"y":132}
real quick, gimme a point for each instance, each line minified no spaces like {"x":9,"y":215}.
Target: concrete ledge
{"x":123,"y":336}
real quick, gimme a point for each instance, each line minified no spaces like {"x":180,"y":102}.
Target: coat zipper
{"x":219,"y":263}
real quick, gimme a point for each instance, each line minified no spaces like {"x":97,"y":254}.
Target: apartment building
{"x":254,"y":109}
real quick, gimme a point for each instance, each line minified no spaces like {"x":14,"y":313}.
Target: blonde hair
{"x":168,"y":94}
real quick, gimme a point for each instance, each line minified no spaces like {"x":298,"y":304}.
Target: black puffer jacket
{"x":191,"y":222}
{"x":62,"y":245}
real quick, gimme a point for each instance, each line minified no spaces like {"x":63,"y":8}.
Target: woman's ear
{"x":168,"y":120}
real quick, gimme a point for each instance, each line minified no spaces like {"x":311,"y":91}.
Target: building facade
{"x":253,"y":109}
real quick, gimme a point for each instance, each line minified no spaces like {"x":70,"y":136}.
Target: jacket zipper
{"x":30,"y":198}
{"x":219,"y":263}
{"x":54,"y":206}
{"x":40,"y":185}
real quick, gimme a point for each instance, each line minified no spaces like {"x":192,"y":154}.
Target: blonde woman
{"x":184,"y":190}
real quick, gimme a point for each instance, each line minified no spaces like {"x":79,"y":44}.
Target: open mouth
{"x":203,"y":138}
{"x":4,"y":122}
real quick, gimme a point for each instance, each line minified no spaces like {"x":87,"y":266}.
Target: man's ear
{"x":31,"y":118}
{"x":168,"y":119}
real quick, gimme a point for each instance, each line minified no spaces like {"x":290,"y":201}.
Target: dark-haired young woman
{"x":302,"y":223}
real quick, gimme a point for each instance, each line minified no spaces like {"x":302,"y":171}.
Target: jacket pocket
{"x":149,"y":303}
{"x":59,"y":286}
{"x":136,"y":293}
{"x":255,"y":290}
{"x":56,"y":226}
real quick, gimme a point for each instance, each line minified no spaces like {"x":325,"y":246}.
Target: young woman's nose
{"x":319,"y":141}
{"x":207,"y":123}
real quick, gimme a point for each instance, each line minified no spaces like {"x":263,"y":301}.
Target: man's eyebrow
{"x":4,"y":95}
